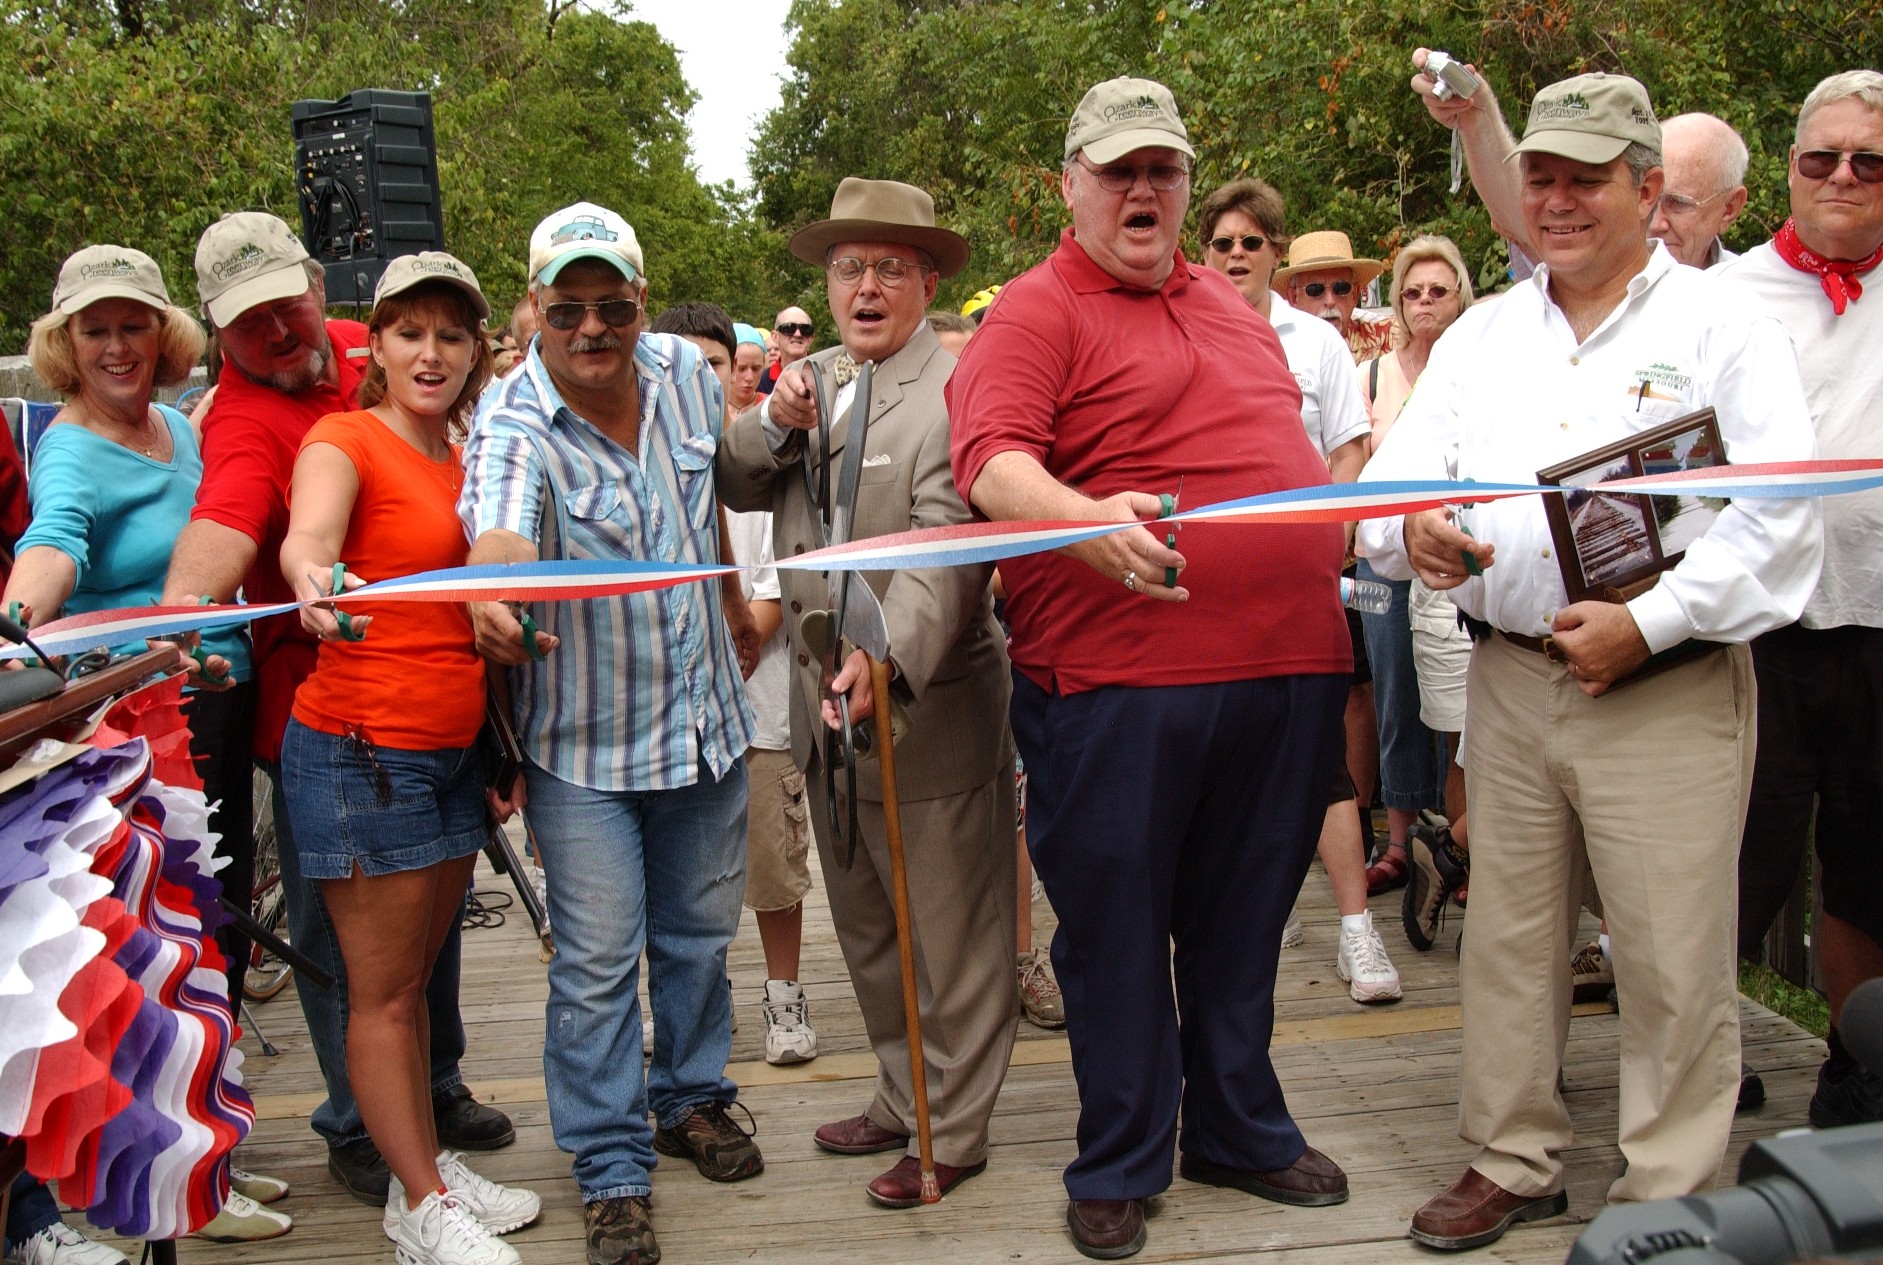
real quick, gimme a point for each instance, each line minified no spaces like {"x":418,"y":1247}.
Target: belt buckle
{"x":1550,"y":650}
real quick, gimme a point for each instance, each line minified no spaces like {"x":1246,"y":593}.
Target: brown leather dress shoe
{"x":1476,"y":1211}
{"x":901,"y":1186}
{"x":859,"y":1135}
{"x":1106,"y":1229}
{"x":1313,"y":1181}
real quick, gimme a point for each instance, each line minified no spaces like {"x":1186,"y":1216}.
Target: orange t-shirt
{"x":416,"y":682}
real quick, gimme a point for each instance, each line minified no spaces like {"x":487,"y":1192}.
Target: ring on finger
{"x":1131,"y":581}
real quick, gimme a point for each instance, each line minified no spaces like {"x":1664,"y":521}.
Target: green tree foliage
{"x":969,"y":99}
{"x":141,"y":121}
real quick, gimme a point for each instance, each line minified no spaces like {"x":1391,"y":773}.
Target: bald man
{"x":1706,"y":190}
{"x":792,"y":332}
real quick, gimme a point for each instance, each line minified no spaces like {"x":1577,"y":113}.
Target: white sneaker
{"x":788,"y":1034}
{"x":60,"y":1244}
{"x":262,"y":1189}
{"x":242,"y":1220}
{"x":1364,"y":965}
{"x":500,"y":1209}
{"x":1292,"y":936}
{"x":442,"y":1231}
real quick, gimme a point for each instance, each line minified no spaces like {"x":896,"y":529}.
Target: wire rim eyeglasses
{"x":615,"y":313}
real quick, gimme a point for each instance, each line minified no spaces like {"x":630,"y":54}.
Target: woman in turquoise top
{"x":112,"y":485}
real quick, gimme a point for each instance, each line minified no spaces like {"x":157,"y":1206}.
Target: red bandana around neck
{"x":1838,"y":276}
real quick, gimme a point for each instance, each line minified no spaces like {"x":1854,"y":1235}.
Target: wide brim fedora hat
{"x":882,"y":211}
{"x":1311,"y":252}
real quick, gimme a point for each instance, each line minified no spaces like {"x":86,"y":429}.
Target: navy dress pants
{"x":1175,"y":824}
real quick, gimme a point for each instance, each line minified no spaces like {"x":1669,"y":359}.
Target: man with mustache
{"x":285,"y":366}
{"x":632,"y":718}
{"x":1324,"y":279}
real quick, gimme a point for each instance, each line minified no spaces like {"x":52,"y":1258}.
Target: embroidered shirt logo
{"x":1662,"y":374}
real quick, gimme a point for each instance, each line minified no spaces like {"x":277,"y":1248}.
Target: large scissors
{"x":855,"y":614}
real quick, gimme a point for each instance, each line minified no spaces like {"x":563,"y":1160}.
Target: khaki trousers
{"x":1648,"y":784}
{"x":959,"y":855}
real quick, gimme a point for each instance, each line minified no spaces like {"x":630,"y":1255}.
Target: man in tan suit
{"x":883,"y":255}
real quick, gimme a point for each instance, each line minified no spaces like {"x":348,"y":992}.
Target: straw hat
{"x":1328,"y":249}
{"x":882,"y":211}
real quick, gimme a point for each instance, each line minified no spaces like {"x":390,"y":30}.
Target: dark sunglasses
{"x":1251,"y":243}
{"x":1315,"y":289}
{"x":794,"y":330}
{"x":614,"y":313}
{"x":1821,"y":164}
{"x":1412,"y":294}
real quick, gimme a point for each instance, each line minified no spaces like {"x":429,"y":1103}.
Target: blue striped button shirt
{"x":645,"y":687}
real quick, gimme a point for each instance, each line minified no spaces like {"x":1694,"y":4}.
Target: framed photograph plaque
{"x":1613,"y":547}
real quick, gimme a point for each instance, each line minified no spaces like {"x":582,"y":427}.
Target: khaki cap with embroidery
{"x":1124,"y":114}
{"x":108,"y":272}
{"x":1590,"y":119}
{"x":406,"y":271}
{"x":245,"y":259}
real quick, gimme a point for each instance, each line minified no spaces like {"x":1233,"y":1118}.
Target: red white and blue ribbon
{"x":958,"y":545}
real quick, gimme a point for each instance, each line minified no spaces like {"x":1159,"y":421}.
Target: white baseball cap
{"x":108,"y":272}
{"x":247,"y":258}
{"x":406,"y":271}
{"x":583,"y":231}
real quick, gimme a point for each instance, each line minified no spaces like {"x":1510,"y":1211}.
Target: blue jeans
{"x":311,"y":931}
{"x":662,"y":871}
{"x":1410,"y":777}
{"x":30,"y":1211}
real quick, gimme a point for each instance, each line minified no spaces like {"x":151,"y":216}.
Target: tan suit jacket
{"x":947,"y":648}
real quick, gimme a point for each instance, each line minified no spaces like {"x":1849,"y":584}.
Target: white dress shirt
{"x":1510,"y":391}
{"x":1332,"y":408}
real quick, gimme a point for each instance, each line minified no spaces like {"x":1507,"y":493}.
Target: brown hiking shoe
{"x":620,"y":1231}
{"x":718,"y":1147}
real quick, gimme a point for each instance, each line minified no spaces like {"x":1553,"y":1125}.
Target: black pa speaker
{"x":366,"y":168}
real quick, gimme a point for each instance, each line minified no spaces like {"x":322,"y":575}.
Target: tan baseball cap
{"x":1591,"y":119}
{"x":108,"y":272}
{"x":406,"y":271}
{"x":584,"y":231}
{"x":248,"y":258}
{"x":1124,"y":114}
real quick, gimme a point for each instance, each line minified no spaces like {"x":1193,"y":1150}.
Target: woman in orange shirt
{"x":380,"y":766}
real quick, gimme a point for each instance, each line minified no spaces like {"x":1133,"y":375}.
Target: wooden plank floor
{"x":1374,"y":1087}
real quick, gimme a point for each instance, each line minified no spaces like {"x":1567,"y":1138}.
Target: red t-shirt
{"x":1115,"y":389}
{"x":416,"y":682}
{"x":251,"y":436}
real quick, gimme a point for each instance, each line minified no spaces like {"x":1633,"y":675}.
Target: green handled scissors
{"x":1167,"y":502}
{"x":347,"y":631}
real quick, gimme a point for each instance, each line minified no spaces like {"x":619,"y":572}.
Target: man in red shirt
{"x":284,"y":367}
{"x":1179,"y":713}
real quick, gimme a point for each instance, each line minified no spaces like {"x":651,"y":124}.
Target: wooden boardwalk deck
{"x":1375,"y":1087}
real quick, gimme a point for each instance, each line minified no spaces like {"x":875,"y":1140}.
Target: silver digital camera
{"x":1450,"y":76}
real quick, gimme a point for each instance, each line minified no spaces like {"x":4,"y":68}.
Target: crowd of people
{"x":1166,"y":728}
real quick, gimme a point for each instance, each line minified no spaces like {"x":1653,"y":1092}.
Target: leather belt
{"x":1545,"y":646}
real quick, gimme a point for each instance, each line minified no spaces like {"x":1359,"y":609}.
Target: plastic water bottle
{"x":1369,"y":597}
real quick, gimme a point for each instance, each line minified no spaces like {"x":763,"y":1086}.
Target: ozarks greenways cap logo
{"x":1571,"y":105}
{"x":439,"y":268}
{"x":118,"y":267}
{"x":239,"y":261}
{"x":1142,"y":108}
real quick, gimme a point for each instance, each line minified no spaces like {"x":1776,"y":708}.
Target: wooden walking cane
{"x":905,"y":940}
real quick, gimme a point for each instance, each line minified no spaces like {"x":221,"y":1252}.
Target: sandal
{"x":1389,"y":872}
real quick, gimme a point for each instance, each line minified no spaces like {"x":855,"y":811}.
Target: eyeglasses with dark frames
{"x":1162,"y":177}
{"x":793,"y":329}
{"x":1250,"y":243}
{"x":1315,"y":289}
{"x":890,"y":271}
{"x":1822,"y":164}
{"x":615,"y":313}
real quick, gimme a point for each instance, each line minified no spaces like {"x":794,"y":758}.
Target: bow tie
{"x":843,"y":369}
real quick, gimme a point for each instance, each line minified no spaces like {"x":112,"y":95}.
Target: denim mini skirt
{"x":351,"y":803}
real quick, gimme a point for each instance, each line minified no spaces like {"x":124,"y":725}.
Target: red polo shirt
{"x":251,"y":437}
{"x":1114,"y":389}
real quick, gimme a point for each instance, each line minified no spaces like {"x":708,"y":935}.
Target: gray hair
{"x":1720,"y":141}
{"x":1641,"y":159}
{"x":1850,"y":85}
